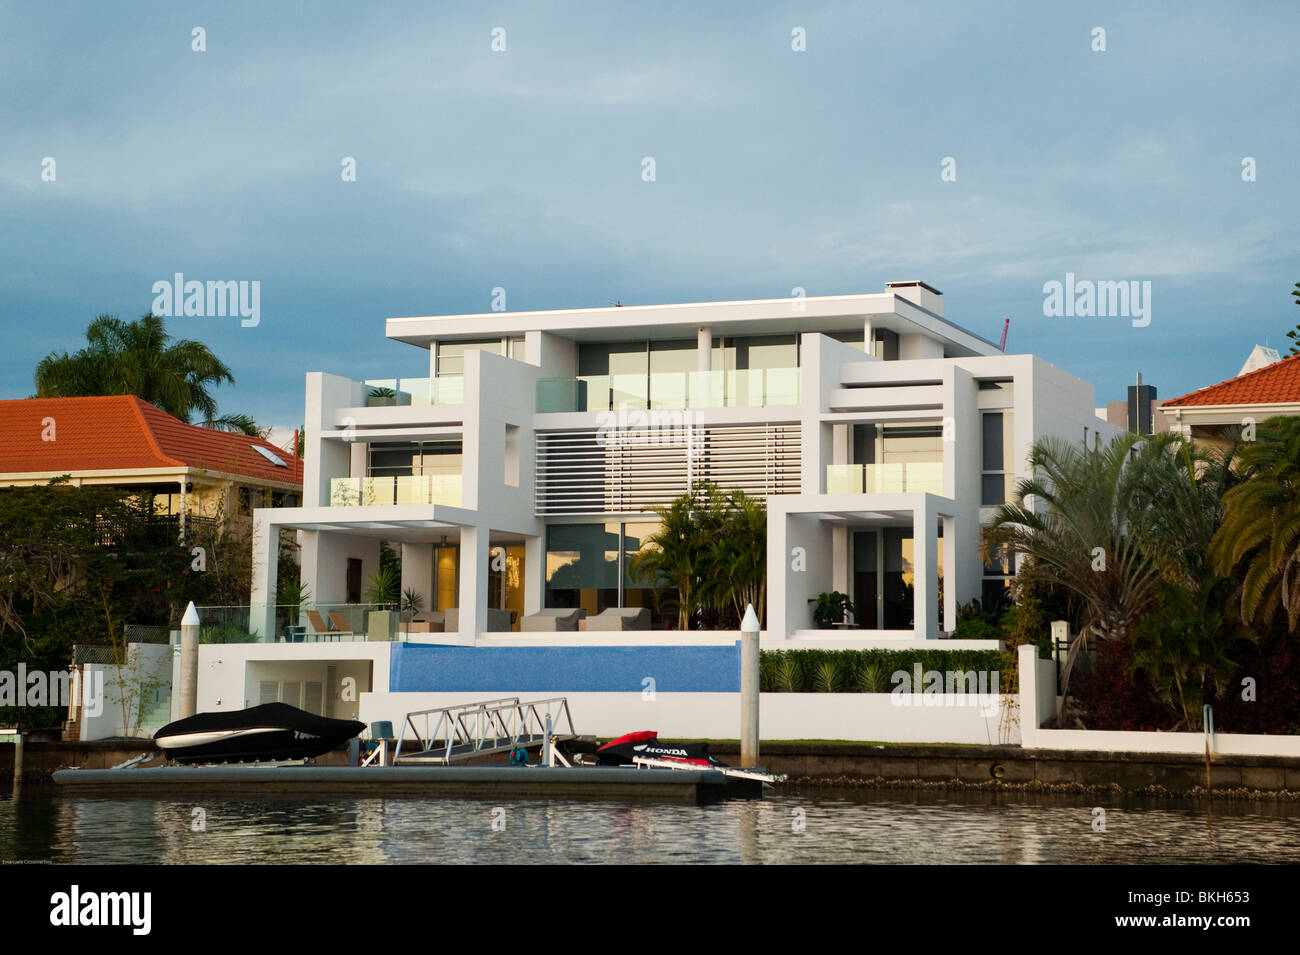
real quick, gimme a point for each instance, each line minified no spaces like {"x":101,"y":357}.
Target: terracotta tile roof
{"x":121,"y":432}
{"x":1278,"y":383}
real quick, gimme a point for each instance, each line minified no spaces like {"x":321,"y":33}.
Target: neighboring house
{"x":521,"y":473}
{"x":1269,"y":391}
{"x":191,"y":475}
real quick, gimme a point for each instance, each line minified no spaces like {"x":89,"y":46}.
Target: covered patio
{"x":449,"y":557}
{"x":886,"y":551}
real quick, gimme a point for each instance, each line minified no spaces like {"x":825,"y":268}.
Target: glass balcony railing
{"x":752,"y":388}
{"x":892,"y":478}
{"x":391,"y":392}
{"x":406,"y":489}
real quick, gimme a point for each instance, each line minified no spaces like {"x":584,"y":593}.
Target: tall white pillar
{"x":925,"y":570}
{"x":534,"y":574}
{"x":950,"y":582}
{"x":474,"y":566}
{"x":266,"y":571}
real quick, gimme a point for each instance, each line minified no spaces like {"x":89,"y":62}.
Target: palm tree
{"x":137,"y":358}
{"x":678,"y":555}
{"x":1084,"y":525}
{"x":237,"y":424}
{"x":740,"y":553}
{"x":1259,"y":540}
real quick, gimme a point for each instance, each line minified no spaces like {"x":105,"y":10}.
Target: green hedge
{"x":869,"y":671}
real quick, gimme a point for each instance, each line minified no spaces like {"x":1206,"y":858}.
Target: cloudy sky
{"x":775,"y":168}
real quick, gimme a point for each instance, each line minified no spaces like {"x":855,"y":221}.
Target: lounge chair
{"x":339,"y":625}
{"x":498,"y":621}
{"x":320,"y":629}
{"x":620,"y":618}
{"x":553,"y":620}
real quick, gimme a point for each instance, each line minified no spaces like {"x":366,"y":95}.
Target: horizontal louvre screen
{"x":596,"y":472}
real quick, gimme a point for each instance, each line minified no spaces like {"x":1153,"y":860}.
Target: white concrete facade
{"x":884,"y":482}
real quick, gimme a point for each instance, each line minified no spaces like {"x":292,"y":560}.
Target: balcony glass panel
{"x":751,"y":388}
{"x":442,"y":489}
{"x":896,"y":478}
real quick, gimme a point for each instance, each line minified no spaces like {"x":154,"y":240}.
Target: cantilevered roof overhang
{"x":830,"y":313}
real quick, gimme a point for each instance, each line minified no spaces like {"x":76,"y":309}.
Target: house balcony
{"x":399,"y":392}
{"x":891,"y":478}
{"x":442,"y":489}
{"x":751,"y":388}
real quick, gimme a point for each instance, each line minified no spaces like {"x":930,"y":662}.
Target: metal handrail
{"x":474,"y":724}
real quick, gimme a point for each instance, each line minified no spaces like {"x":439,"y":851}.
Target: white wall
{"x":782,"y":716}
{"x":148,"y":667}
{"x":1036,"y":705}
{"x":228,"y":671}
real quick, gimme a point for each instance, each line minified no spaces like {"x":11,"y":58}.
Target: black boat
{"x":272,"y":731}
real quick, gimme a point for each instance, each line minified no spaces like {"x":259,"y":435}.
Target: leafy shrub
{"x":868,"y":671}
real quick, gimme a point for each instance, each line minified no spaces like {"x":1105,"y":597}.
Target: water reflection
{"x":811,"y":825}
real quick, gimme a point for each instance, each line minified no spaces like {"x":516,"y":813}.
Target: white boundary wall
{"x":1037,"y":703}
{"x":872,"y":717}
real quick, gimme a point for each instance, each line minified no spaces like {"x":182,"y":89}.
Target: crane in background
{"x":1002,"y":345}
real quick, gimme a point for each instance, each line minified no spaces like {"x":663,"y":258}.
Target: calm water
{"x":838,"y":826}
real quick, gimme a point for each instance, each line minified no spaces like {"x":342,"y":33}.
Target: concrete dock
{"x":503,"y":782}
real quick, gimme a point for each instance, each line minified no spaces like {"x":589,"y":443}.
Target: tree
{"x":137,"y":358}
{"x":676,"y":555}
{"x":1259,"y":540}
{"x":237,"y":424}
{"x":1293,"y":334}
{"x":76,"y":565}
{"x":711,"y":548}
{"x":1078,"y":522}
{"x":740,"y":553}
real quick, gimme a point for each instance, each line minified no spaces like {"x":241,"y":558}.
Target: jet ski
{"x":645,"y":744}
{"x":272,"y":731}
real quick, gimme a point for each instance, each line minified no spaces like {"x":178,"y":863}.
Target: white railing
{"x":467,"y":730}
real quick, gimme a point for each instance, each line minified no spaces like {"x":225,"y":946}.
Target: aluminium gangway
{"x":454,"y":734}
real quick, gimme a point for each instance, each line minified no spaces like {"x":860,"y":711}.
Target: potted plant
{"x":832,"y":608}
{"x":381,"y":398}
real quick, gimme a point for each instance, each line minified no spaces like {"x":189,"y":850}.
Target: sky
{"x":986,"y":149}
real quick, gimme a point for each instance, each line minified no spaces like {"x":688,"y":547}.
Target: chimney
{"x":1141,"y":399}
{"x":918,"y":293}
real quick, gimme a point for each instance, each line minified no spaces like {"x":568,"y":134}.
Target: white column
{"x":925,"y":570}
{"x":840,"y":571}
{"x":778,"y":569}
{"x":534,"y":574}
{"x":417,"y":571}
{"x":1030,"y":718}
{"x":704,"y":349}
{"x":867,"y":344}
{"x":261,"y":612}
{"x":950,"y":582}
{"x":474,"y":565}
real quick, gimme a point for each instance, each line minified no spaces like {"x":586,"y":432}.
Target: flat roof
{"x":829,"y":313}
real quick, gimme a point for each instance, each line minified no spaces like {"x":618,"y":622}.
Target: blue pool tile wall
{"x":420,"y":668}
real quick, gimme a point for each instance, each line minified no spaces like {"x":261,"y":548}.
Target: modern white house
{"x":519,"y":476}
{"x":521,"y":473}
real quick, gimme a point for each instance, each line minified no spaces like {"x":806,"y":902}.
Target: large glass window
{"x":451,"y":355}
{"x":415,"y":458}
{"x":997,"y":466}
{"x":637,"y":590}
{"x":591,"y":566}
{"x":582,"y":566}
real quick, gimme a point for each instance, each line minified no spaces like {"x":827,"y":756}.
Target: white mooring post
{"x":749,"y":689}
{"x":189,"y":676}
